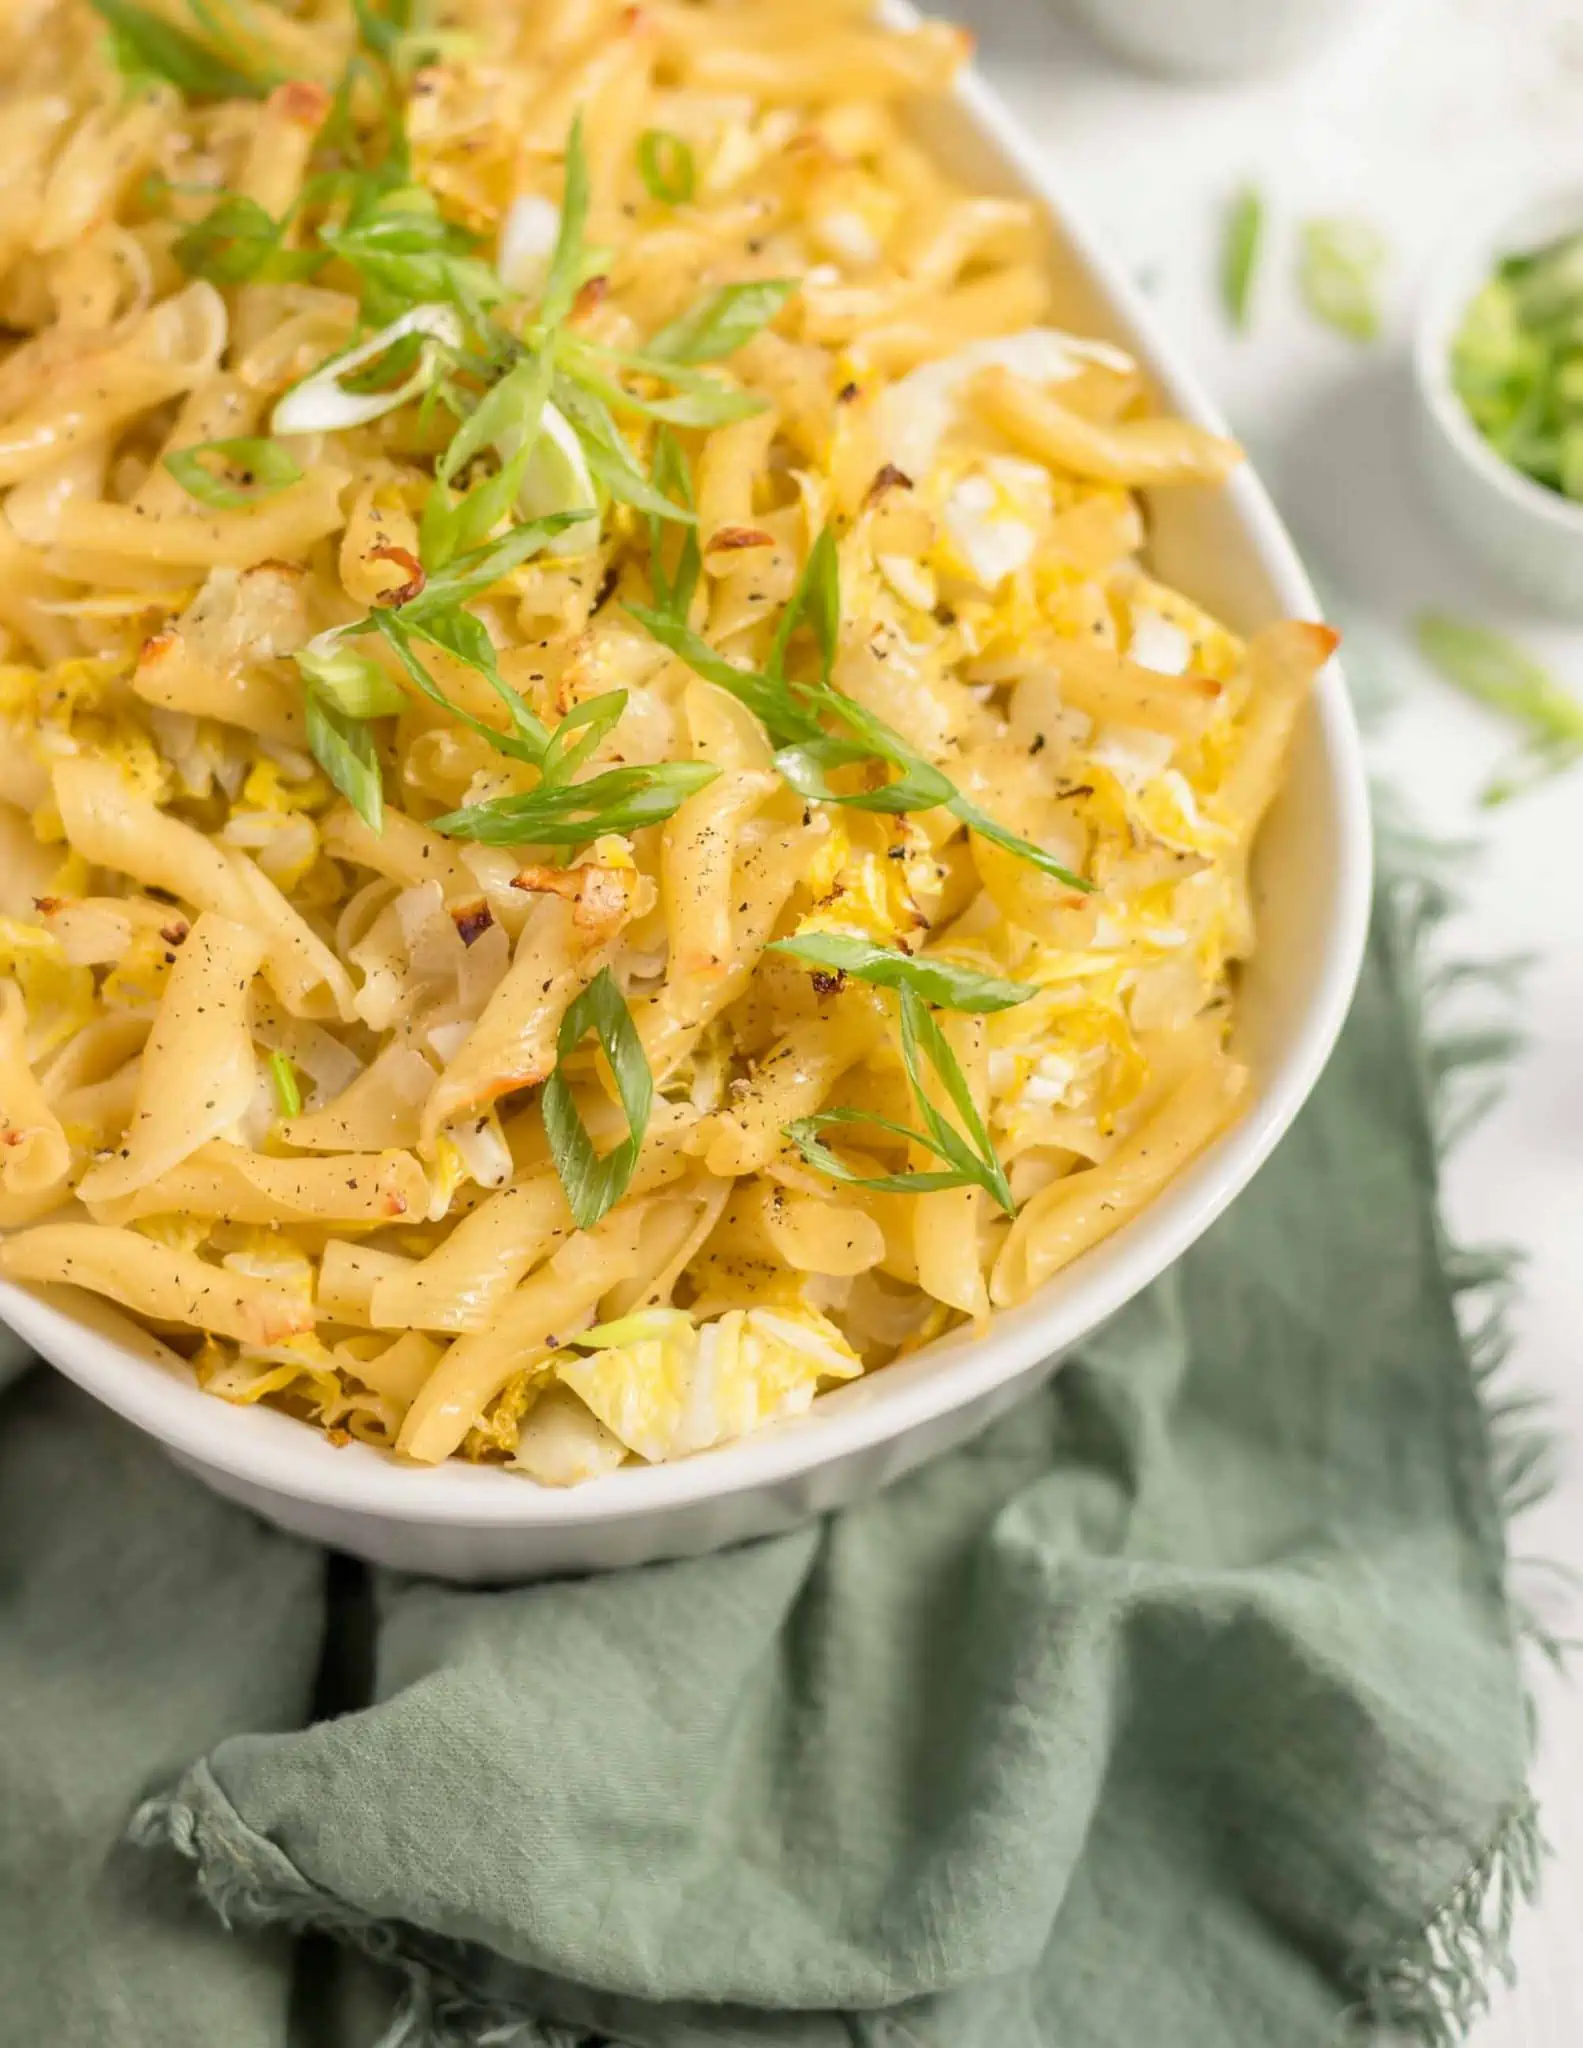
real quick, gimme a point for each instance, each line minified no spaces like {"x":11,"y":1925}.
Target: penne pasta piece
{"x":155,"y":1281}
{"x":939,"y":242}
{"x":34,"y":1155}
{"x":281,"y":144}
{"x":282,"y":526}
{"x":397,"y":1371}
{"x":563,"y":946}
{"x":1115,"y":691}
{"x":696,"y":861}
{"x":763,"y":876}
{"x":549,"y":1304}
{"x":198,"y":1069}
{"x":733,"y":458}
{"x":462,"y":1281}
{"x":100,"y":161}
{"x":1082,"y":1209}
{"x":349,"y":1271}
{"x":32,"y":125}
{"x":96,"y":1114}
{"x":174,"y":346}
{"x":379,"y":1109}
{"x":674,"y":1232}
{"x":840,"y":65}
{"x":102,"y":1050}
{"x":222,"y":408}
{"x":810,"y":1233}
{"x":401,"y":849}
{"x":792,"y":1081}
{"x":345,"y":1190}
{"x":1282,"y":664}
{"x":1001,"y":301}
{"x":113,"y":827}
{"x":1131,"y":452}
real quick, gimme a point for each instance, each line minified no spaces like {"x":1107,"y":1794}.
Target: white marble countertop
{"x":1433,"y":107}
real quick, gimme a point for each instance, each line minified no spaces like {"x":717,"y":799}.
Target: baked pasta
{"x":605,"y":827}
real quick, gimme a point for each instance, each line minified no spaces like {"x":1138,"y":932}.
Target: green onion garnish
{"x":938,"y":981}
{"x":594,"y":1185}
{"x":283,"y":1079}
{"x":1338,"y":273}
{"x":1517,"y":364}
{"x":967,"y":1154}
{"x":1239,"y":258}
{"x":247,"y":471}
{"x":1502,"y":675}
{"x":666,"y":165}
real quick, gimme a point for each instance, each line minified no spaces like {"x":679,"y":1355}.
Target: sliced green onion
{"x":459,"y":633}
{"x":1239,"y":259}
{"x":557,"y":478}
{"x":1504,"y":676}
{"x":379,"y":29}
{"x":940,"y":982}
{"x":260,"y":466}
{"x":646,"y":1327}
{"x":697,"y":400}
{"x":1339,"y":268}
{"x":470,"y":575}
{"x":146,"y":43}
{"x":570,"y":814}
{"x":392,"y":366}
{"x":668,"y":468}
{"x":791,"y":714}
{"x":344,"y":749}
{"x":1517,"y":364}
{"x":510,"y":407}
{"x":771,"y":702}
{"x":410,"y":53}
{"x":666,"y":166}
{"x":564,"y":278}
{"x":604,"y":451}
{"x":580,"y":733}
{"x":969,"y":1157}
{"x":323,"y":404}
{"x":720,"y":324}
{"x":352,"y":681}
{"x":1547,"y":282}
{"x":406,"y":255}
{"x":283,"y":1079}
{"x":237,"y":242}
{"x":593,"y":1185}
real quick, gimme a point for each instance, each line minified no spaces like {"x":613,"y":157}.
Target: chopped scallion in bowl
{"x":1517,"y":363}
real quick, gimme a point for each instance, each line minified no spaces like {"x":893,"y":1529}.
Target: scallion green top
{"x":1517,"y":364}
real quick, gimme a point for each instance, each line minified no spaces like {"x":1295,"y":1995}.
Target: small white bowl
{"x":1528,"y":535}
{"x":1217,"y":38}
{"x":1311,"y":881}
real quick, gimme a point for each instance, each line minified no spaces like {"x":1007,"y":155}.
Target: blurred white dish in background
{"x":1532,"y":537}
{"x":1216,"y":38}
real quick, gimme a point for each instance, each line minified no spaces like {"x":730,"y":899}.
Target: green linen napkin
{"x":1183,"y":1706}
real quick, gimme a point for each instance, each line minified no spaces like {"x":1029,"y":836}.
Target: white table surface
{"x":1427,"y":111}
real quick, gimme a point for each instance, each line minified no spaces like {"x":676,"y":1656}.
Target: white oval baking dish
{"x":1312,"y":877}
